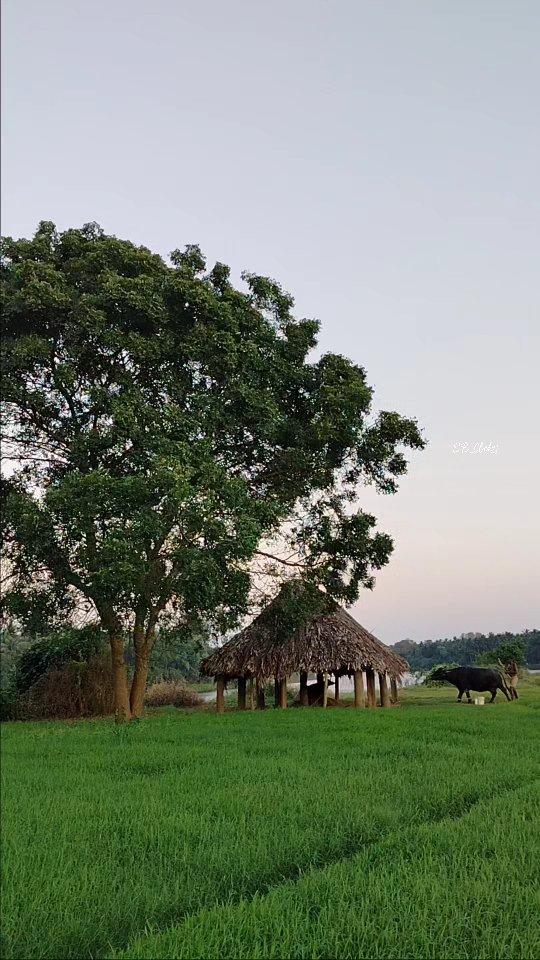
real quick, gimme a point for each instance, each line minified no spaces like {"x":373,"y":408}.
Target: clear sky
{"x":381,"y":159}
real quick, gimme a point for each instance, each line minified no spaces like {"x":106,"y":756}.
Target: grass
{"x":403,"y":833}
{"x":203,"y":686}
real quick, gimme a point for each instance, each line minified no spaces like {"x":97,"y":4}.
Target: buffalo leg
{"x":460,"y":694}
{"x":468,"y":692}
{"x":493,"y":695}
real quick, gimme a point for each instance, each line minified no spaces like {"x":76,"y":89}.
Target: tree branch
{"x":288,"y":563}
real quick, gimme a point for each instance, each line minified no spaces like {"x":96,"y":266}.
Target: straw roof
{"x":331,"y":642}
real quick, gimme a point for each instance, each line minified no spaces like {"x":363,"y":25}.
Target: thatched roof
{"x":331,"y":642}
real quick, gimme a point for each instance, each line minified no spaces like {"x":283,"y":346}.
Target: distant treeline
{"x":466,"y":648}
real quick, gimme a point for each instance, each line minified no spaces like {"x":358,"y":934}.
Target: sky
{"x":381,"y":160}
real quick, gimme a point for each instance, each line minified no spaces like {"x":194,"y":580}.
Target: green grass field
{"x":403,"y":833}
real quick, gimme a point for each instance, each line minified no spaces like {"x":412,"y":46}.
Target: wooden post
{"x":325,"y":691}
{"x":241,"y":693}
{"x":359,"y":700}
{"x":261,"y":702}
{"x":383,"y":691}
{"x":370,"y":684}
{"x":393,"y":690}
{"x":220,"y":695}
{"x":251,"y":698}
{"x":283,"y":693}
{"x":336,"y":687}
{"x":303,"y":688}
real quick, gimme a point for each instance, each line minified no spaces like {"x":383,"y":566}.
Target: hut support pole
{"x":251,"y":699}
{"x":383,"y":690}
{"x":325,"y":691}
{"x":276,"y":692}
{"x":358,"y":689}
{"x":241,"y":693}
{"x":304,"y":700}
{"x":336,"y":687}
{"x":261,"y":702}
{"x":370,"y":684}
{"x":283,"y":693}
{"x":393,"y":690}
{"x":220,"y":695}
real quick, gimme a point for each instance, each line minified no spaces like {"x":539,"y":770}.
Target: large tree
{"x":161,"y":425}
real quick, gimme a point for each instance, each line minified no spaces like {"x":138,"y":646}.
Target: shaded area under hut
{"x":331,"y":645}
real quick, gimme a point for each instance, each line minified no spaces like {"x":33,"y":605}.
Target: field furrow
{"x":467,"y":889}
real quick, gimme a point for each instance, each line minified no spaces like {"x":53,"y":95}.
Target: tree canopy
{"x":504,"y":653}
{"x":473,"y":648}
{"x":161,"y":425}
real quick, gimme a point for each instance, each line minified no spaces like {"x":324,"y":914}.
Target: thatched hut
{"x":331,"y":643}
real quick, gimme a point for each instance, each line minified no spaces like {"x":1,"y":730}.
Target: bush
{"x":172,"y":693}
{"x":53,"y":651}
{"x":8,"y":703}
{"x":12,"y":644}
{"x":69,"y":691}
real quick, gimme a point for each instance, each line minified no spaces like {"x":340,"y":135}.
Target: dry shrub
{"x":172,"y":693}
{"x":70,"y":691}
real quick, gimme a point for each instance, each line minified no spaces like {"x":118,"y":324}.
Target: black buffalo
{"x":315,"y":692}
{"x":479,"y":679}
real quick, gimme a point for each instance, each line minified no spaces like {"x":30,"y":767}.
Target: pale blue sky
{"x":380,"y":159}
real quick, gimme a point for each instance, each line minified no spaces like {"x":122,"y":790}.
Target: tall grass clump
{"x":171,"y":693}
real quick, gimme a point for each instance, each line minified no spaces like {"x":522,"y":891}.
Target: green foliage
{"x":8,"y":700}
{"x":306,"y":834}
{"x":431,"y":679}
{"x":467,"y":649}
{"x":12,"y":645}
{"x":511,"y":650}
{"x":161,"y":423}
{"x":177,"y":654}
{"x":70,"y":645}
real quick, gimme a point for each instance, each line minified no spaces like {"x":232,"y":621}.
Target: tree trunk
{"x":122,"y":710}
{"x":138,"y":684}
{"x":143,"y":643}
